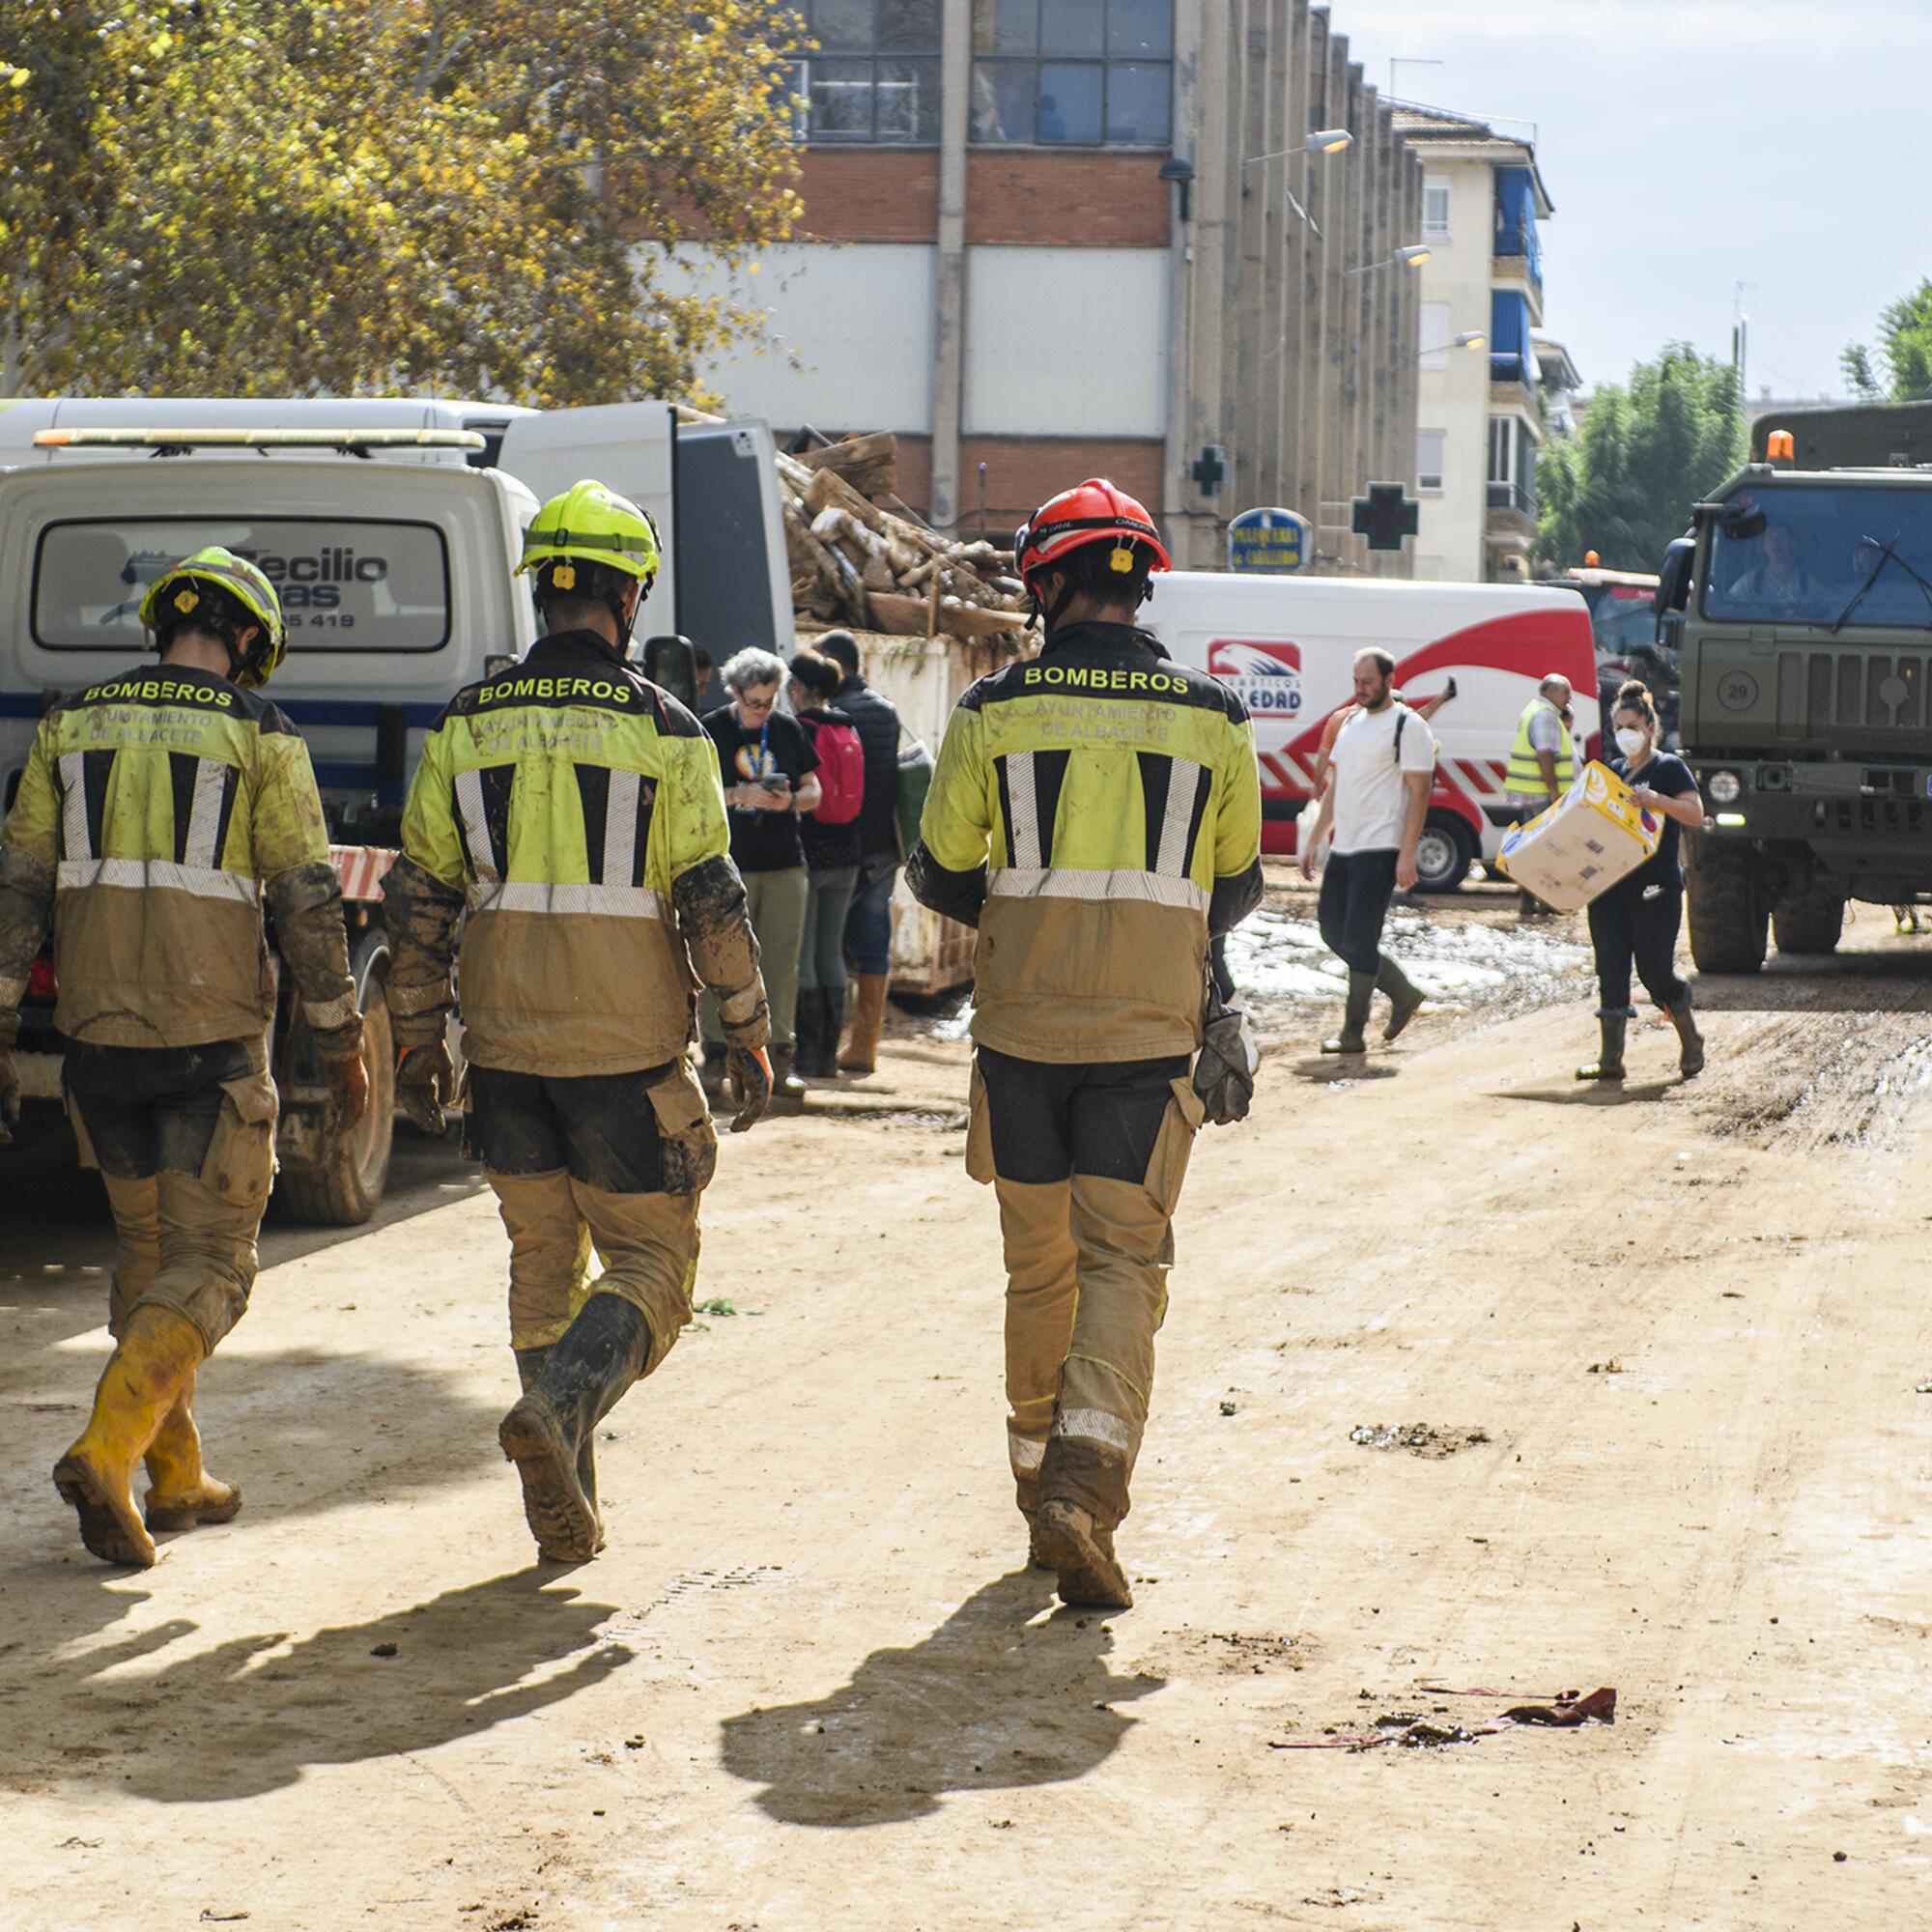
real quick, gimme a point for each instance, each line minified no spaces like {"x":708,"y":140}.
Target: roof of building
{"x":1554,"y":360}
{"x":1472,"y":138}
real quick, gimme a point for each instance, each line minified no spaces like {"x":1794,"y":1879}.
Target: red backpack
{"x":842,"y":774}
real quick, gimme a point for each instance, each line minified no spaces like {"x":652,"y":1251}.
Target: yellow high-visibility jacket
{"x":156,"y":811}
{"x":1095,"y":811}
{"x":575,"y":811}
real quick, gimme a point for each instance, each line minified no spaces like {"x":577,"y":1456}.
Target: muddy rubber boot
{"x":1354,"y":1016}
{"x":156,"y":1355}
{"x":181,"y":1493}
{"x":711,"y":1072}
{"x":530,"y":1365}
{"x":1405,"y":999}
{"x":1691,"y":1058}
{"x":788,"y":1091}
{"x":1608,"y":1063}
{"x":548,"y":1434}
{"x":808,"y":1035}
{"x":1081,"y":1555}
{"x":869,"y":1020}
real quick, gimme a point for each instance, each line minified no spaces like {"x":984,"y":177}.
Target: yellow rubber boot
{"x":160,"y":1350}
{"x":181,"y":1493}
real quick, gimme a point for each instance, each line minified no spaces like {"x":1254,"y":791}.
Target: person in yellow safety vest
{"x":1542,"y":761}
{"x":1095,"y":811}
{"x":158,"y":811}
{"x":575,"y":811}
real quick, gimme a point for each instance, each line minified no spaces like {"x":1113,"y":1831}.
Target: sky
{"x":1691,"y":145}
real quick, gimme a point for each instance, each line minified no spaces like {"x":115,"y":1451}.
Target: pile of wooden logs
{"x":859,"y":557}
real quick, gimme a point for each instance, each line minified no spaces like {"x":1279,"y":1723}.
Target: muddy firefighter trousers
{"x":185,"y":1138}
{"x":1637,"y":924}
{"x":614,"y":1161}
{"x":1086,"y":1163}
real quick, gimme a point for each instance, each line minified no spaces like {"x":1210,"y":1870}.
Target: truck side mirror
{"x":1672,"y":594}
{"x":670,"y":663}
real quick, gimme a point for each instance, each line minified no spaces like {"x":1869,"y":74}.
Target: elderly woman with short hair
{"x":767,"y":763}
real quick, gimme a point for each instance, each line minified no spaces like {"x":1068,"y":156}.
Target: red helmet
{"x":1092,"y":512}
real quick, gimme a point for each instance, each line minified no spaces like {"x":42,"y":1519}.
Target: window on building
{"x":1428,"y":448}
{"x":1435,"y":208}
{"x":1512,"y":464}
{"x":874,"y":75}
{"x":1431,"y":333}
{"x":1511,"y":360}
{"x":1073,"y":72}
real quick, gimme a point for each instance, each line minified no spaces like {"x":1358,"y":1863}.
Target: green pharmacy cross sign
{"x":1272,"y":540}
{"x":1384,"y":515}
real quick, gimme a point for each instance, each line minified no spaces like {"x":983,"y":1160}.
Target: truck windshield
{"x":1818,"y":549}
{"x":346,"y":584}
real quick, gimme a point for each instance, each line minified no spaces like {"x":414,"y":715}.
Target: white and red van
{"x":1288,"y":645}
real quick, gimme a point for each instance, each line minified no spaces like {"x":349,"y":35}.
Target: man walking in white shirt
{"x":1374,"y":801}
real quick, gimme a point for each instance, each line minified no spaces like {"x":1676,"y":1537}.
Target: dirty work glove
{"x":425,"y":1084}
{"x":1224,"y":1075}
{"x":347,"y":1093}
{"x":749,"y":1073}
{"x":10,"y":1086}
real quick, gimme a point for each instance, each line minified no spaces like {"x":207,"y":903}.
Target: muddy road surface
{"x":1474,"y":1381}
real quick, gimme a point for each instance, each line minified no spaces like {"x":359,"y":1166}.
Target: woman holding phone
{"x":767,"y":765}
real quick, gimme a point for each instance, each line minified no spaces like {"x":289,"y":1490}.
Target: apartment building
{"x":1485,"y":364}
{"x":1048,"y":239}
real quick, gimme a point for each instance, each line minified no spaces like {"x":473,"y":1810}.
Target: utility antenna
{"x":1741,"y":338}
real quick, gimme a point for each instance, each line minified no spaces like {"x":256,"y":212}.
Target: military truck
{"x":1800,"y":606}
{"x":390,"y":528}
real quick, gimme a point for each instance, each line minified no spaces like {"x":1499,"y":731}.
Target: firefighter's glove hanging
{"x":425,"y":1084}
{"x":1224,"y":1075}
{"x":750,"y":1074}
{"x":10,"y":1080}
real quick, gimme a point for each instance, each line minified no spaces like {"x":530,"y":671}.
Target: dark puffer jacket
{"x":876,"y":719}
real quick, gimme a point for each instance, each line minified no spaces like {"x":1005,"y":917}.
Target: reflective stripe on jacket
{"x":1525,"y":774}
{"x":563,"y":798}
{"x":158,"y":806}
{"x":1106,"y":790}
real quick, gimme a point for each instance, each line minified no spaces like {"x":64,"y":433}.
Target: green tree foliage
{"x":1900,"y":369}
{"x":1624,"y":483}
{"x":283,"y":197}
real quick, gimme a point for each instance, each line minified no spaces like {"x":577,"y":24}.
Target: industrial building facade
{"x":1050,"y":239}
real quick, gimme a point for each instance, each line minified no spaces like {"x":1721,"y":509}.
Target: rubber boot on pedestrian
{"x":1354,"y":1017}
{"x":711,"y":1073}
{"x":810,"y":1057}
{"x":788,"y":1091}
{"x":530,"y":1365}
{"x":1690,"y":1042}
{"x":181,"y":1493}
{"x":548,"y":1434}
{"x":1608,"y":1063}
{"x":159,"y":1352}
{"x":1068,"y":1542}
{"x":869,"y":1020}
{"x":1405,"y":998}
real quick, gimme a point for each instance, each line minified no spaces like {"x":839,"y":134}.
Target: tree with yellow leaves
{"x":282,"y":197}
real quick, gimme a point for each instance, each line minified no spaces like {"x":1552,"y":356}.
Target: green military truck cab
{"x":1801,"y":605}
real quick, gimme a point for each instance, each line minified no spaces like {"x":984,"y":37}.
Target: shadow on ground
{"x":990,"y":1701}
{"x":254,"y":1714}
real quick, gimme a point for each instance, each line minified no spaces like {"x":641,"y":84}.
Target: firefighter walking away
{"x":156,"y":813}
{"x":1096,"y":813}
{"x":573,"y":811}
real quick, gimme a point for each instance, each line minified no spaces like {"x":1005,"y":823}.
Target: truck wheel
{"x":343,"y":1192}
{"x":1810,"y":917}
{"x":1729,"y":918}
{"x":1444,"y":854}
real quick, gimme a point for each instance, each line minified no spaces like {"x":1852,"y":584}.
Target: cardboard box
{"x":1592,"y":836}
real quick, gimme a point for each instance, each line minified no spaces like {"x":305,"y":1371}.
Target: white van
{"x":1288,"y":645}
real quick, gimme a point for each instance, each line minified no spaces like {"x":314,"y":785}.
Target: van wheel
{"x":1444,"y":854}
{"x":344,"y":1191}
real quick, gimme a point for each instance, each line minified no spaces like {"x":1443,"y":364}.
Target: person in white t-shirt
{"x":1373,"y":801}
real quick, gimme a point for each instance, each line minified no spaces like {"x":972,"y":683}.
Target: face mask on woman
{"x":1630,"y":743}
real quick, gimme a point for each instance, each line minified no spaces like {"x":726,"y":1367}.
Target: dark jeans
{"x":1626,"y":928}
{"x":869,"y":923}
{"x":1356,"y":888}
{"x":152,"y":1109}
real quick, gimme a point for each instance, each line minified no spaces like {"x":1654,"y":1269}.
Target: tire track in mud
{"x":1810,"y":1080}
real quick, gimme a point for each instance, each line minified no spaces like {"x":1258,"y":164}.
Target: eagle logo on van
{"x":1265,"y":677}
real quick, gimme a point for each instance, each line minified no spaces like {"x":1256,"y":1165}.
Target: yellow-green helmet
{"x":179,"y":596}
{"x":590,"y":525}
